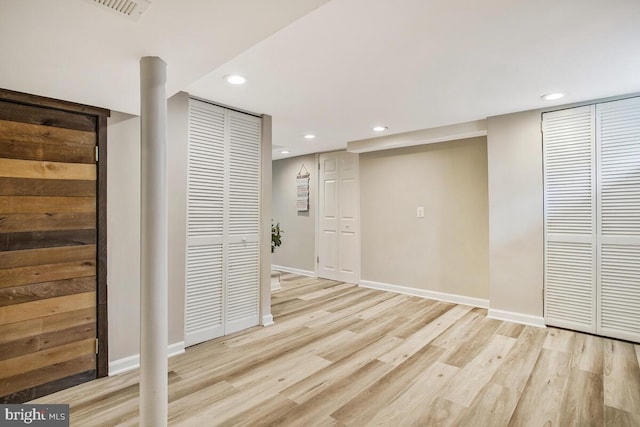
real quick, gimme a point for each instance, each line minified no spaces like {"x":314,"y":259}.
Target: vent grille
{"x":132,"y":9}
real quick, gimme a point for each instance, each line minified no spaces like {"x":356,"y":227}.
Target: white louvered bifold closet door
{"x":204,"y":311}
{"x":244,"y":222}
{"x":618,"y":146}
{"x":223,"y":254}
{"x":570,"y":219}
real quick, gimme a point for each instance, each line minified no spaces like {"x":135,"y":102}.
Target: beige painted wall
{"x":123,"y":235}
{"x":177,"y":155}
{"x":123,"y":227}
{"x":447,"y":250}
{"x":298,"y":241}
{"x":516,"y":262}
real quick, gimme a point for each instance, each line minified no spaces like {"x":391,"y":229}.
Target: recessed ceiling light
{"x":284,"y":152}
{"x":309,"y":136}
{"x":552,"y":96}
{"x":235,"y":79}
{"x":380,"y":128}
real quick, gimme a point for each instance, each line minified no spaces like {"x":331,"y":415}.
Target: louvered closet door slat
{"x":618,"y":147}
{"x":205,"y":223}
{"x":569,"y":187}
{"x":204,"y":293}
{"x":244,"y":175}
{"x":242,"y":286}
{"x":206,"y":170}
{"x":242,"y":308}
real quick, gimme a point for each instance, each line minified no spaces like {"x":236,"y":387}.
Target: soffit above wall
{"x":421,"y":137}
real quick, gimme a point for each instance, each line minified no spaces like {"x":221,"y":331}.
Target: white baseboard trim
{"x":124,"y":365}
{"x":293,"y":270}
{"x":175,"y":349}
{"x":510,"y":316}
{"x":423,"y":293}
{"x":267,"y":320}
{"x":130,"y":363}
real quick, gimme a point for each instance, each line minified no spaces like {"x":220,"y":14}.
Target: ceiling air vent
{"x":132,"y":9}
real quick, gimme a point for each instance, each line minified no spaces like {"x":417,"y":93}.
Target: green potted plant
{"x":276,"y":240}
{"x":276,"y":236}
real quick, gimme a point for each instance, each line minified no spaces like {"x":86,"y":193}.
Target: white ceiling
{"x":77,"y":51}
{"x":416,"y":64}
{"x":334,"y":68}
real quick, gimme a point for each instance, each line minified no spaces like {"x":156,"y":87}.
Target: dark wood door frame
{"x":100,"y":115}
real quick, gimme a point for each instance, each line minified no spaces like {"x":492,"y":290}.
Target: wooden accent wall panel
{"x":52,"y":245}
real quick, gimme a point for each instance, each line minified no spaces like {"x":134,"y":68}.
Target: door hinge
{"x":318,"y":259}
{"x":96,"y":153}
{"x":97,"y":345}
{"x":318,"y":165}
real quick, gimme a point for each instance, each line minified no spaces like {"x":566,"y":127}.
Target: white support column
{"x":153,"y":281}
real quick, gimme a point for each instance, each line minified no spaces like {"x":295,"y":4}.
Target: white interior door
{"x":328,"y":196}
{"x":348,"y":253}
{"x":204,"y":311}
{"x":338,"y":246}
{"x":570,"y":219}
{"x":618,"y":146}
{"x":243,"y":284}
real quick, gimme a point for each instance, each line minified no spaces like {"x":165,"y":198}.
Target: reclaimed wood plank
{"x":38,"y":291}
{"x":46,"y":204}
{"x":50,"y":356}
{"x":12,"y":277}
{"x":47,"y":187}
{"x":14,"y":168}
{"x":44,"y":325}
{"x":13,"y":97}
{"x":25,"y":258}
{"x":48,"y":307}
{"x":46,"y":143}
{"x":46,"y":239}
{"x":49,"y":373}
{"x":49,"y":135}
{"x":20,"y":222}
{"x":46,"y":116}
{"x":68,"y":153}
{"x":37,"y":343}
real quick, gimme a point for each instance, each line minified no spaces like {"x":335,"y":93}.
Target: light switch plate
{"x":420,"y":212}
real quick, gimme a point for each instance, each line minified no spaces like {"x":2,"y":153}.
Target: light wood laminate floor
{"x":344,"y":355}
